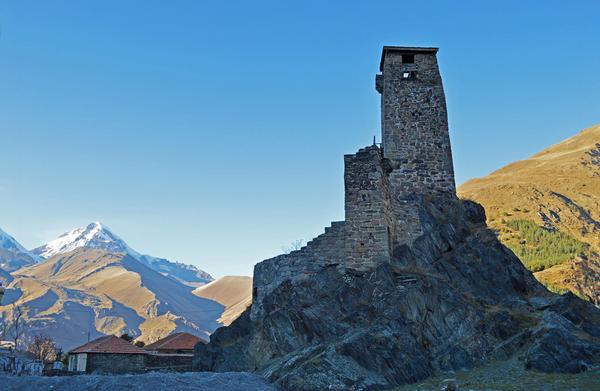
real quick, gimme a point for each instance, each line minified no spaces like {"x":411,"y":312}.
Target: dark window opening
{"x":408,"y":58}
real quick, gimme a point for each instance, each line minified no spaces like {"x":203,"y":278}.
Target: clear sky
{"x":212,"y":132}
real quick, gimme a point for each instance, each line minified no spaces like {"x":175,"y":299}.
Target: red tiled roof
{"x":176,"y":341}
{"x":109,"y":344}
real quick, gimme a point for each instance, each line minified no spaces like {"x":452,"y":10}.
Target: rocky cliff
{"x":455,"y":298}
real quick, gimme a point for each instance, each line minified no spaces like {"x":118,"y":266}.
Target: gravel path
{"x":201,"y":381}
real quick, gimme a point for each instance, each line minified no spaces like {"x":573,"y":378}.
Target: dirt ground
{"x":197,"y":381}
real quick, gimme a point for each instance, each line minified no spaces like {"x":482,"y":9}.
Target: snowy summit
{"x":99,"y":236}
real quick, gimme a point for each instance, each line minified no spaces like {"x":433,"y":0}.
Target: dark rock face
{"x":453,"y":299}
{"x":411,"y":282}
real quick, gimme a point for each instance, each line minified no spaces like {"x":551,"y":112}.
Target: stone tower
{"x":415,"y":138}
{"x":384,"y":187}
{"x":414,"y":121}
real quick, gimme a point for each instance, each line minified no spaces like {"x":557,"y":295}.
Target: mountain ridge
{"x":93,"y":290}
{"x":13,"y":255}
{"x":98,"y":235}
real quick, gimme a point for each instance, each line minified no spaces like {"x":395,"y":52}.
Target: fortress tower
{"x":415,"y":138}
{"x":414,"y":121}
{"x":384,"y":185}
{"x":385,"y":188}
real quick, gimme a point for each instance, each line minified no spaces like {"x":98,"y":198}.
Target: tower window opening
{"x":408,"y":58}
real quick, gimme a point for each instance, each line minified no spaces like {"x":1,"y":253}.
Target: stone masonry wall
{"x":326,"y":249}
{"x":169,"y":362}
{"x":415,"y":124}
{"x":115,"y":363}
{"x":415,"y":134}
{"x":369,"y":217}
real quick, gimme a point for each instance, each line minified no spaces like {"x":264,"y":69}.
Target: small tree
{"x":43,"y":349}
{"x":295,"y":245}
{"x":18,"y":324}
{"x":139,"y":344}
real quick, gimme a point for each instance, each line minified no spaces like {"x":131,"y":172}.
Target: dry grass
{"x":234,"y":292}
{"x":526,"y":190}
{"x":510,"y":376}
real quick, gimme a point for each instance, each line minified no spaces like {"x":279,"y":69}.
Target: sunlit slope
{"x":547,"y":209}
{"x":234,"y":292}
{"x":91,"y":290}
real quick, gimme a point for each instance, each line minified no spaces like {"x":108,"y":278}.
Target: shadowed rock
{"x":453,"y":300}
{"x":411,"y":282}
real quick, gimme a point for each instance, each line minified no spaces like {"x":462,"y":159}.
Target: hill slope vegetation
{"x":547,"y":210}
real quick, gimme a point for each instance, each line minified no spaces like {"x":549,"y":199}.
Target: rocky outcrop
{"x":411,"y":282}
{"x":580,"y":275}
{"x":454,"y":298}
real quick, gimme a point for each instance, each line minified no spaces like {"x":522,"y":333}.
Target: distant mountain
{"x":99,"y":236}
{"x":547,"y":210}
{"x":234,"y":292}
{"x":5,"y":277}
{"x":91,"y":290}
{"x":13,"y":255}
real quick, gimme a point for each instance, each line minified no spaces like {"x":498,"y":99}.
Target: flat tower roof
{"x":405,"y":49}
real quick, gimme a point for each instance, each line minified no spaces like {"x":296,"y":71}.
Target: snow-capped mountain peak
{"x":94,"y":235}
{"x":98,"y":235}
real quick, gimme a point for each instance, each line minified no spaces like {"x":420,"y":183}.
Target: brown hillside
{"x":90,"y":290}
{"x":557,"y":189}
{"x":234,"y":292}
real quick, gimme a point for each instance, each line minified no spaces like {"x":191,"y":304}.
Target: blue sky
{"x":213,"y":132}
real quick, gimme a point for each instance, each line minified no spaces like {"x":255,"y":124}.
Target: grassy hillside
{"x":510,"y":376}
{"x":547,"y":210}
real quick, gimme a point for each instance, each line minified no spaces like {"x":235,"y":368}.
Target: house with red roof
{"x":108,"y":354}
{"x":176,"y":343}
{"x":172,"y":353}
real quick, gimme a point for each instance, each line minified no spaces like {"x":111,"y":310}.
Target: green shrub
{"x":539,"y":248}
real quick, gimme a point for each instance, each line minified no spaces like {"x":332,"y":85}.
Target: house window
{"x":408,"y":58}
